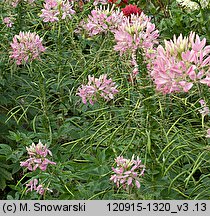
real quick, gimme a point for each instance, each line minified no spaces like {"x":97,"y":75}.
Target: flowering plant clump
{"x":37,"y":157}
{"x":127,"y":172}
{"x":54,"y":9}
{"x":102,"y":19}
{"x":32,"y":185}
{"x":135,"y":32}
{"x":101,"y":87}
{"x":181,"y":63}
{"x":26,"y":46}
{"x":94,"y":82}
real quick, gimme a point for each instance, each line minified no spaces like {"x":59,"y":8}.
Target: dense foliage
{"x":104,"y":99}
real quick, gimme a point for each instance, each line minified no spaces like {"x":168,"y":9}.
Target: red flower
{"x":131,"y":9}
{"x":121,"y":2}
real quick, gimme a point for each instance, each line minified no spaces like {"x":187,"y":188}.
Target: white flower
{"x":191,"y":5}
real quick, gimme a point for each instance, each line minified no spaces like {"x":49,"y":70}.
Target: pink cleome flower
{"x":135,"y":32}
{"x":204,"y":108}
{"x":32,"y":185}
{"x":134,"y":64}
{"x":8,"y":21}
{"x":101,"y":87}
{"x":208,"y":133}
{"x":37,"y":157}
{"x":53,"y":9}
{"x":127,"y":172}
{"x":25,"y":47}
{"x":102,"y":20}
{"x":180,"y":63}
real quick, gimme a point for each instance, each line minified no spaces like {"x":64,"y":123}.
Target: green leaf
{"x":5,"y":174}
{"x":102,"y":156}
{"x":2,"y":183}
{"x":5,"y":149}
{"x":9,"y":197}
{"x":16,"y":168}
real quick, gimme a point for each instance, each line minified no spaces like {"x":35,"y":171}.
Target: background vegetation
{"x":38,"y":101}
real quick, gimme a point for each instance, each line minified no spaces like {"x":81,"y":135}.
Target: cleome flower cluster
{"x":102,"y":20}
{"x":181,"y":63}
{"x":37,"y":157}
{"x":135,"y":31}
{"x":132,"y":30}
{"x":56,"y":9}
{"x":97,"y":88}
{"x":127,"y":172}
{"x":26,"y":47}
